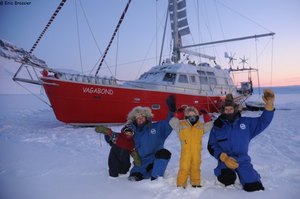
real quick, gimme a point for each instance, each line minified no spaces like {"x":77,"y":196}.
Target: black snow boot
{"x":227,"y":177}
{"x":254,"y":186}
{"x":136,"y":176}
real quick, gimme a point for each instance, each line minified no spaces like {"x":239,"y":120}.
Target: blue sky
{"x":140,"y":35}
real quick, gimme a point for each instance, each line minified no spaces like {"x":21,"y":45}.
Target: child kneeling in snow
{"x":190,"y":132}
{"x":122,"y":146}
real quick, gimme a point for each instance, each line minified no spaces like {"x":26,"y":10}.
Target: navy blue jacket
{"x":234,"y":138}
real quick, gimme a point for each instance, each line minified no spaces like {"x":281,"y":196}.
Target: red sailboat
{"x":89,"y":99}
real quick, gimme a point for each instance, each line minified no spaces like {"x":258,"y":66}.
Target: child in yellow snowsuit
{"x":190,"y":132}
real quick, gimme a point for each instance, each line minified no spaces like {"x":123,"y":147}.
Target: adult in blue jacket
{"x":149,"y":141}
{"x":229,"y":142}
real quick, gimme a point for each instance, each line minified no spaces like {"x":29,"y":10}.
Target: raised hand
{"x":269,"y":98}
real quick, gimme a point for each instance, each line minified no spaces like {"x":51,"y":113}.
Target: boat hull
{"x":89,"y":104}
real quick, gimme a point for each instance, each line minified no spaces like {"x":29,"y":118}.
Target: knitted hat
{"x":127,"y":128}
{"x":229,"y":100}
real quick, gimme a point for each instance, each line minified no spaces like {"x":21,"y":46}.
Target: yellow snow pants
{"x":190,"y":158}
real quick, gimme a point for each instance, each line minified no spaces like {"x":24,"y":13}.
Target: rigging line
{"x":131,"y":62}
{"x":209,"y":31}
{"x":48,"y":25}
{"x":113,"y":36}
{"x":78,"y":36}
{"x":92,"y":33}
{"x":146,"y":55}
{"x":272,"y":61}
{"x":207,"y":22}
{"x":117,"y":54}
{"x":243,"y":16}
{"x":34,"y":94}
{"x":198,"y":27}
{"x":262,"y":51}
{"x":219,"y":19}
{"x":258,"y":82}
{"x":148,"y":51}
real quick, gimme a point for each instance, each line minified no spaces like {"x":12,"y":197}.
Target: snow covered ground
{"x":41,"y":157}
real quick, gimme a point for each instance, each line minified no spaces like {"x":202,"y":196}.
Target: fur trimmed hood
{"x":139,"y":111}
{"x":191,"y":109}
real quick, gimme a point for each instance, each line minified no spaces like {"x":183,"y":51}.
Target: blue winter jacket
{"x":148,"y":141}
{"x":234,"y":138}
{"x":152,"y":136}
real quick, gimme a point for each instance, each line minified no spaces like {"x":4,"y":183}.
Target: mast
{"x":176,"y":43}
{"x":164,"y":35}
{"x":179,"y":25}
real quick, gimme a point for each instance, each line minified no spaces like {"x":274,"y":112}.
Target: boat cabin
{"x":186,"y":78}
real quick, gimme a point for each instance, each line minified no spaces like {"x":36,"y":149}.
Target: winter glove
{"x":136,"y":158}
{"x":269,"y":98}
{"x":171,"y":102}
{"x":104,"y":130}
{"x":230,"y":162}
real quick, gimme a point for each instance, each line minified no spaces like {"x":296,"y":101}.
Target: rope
{"x":272,"y":60}
{"x":78,"y":36}
{"x":238,"y":13}
{"x":34,"y":94}
{"x":93,"y":36}
{"x":47,"y":26}
{"x":258,"y":82}
{"x":113,"y":36}
{"x":117,"y":55}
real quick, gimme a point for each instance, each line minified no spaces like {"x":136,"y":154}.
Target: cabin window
{"x":210,"y":74}
{"x":203,"y":77}
{"x":204,"y":64}
{"x":203,"y":80}
{"x":193,"y":79}
{"x":183,"y":79}
{"x":212,"y":78}
{"x":155,"y":106}
{"x":201,"y":72}
{"x":169,"y":77}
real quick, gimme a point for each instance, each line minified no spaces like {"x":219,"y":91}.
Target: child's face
{"x":129,"y":133}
